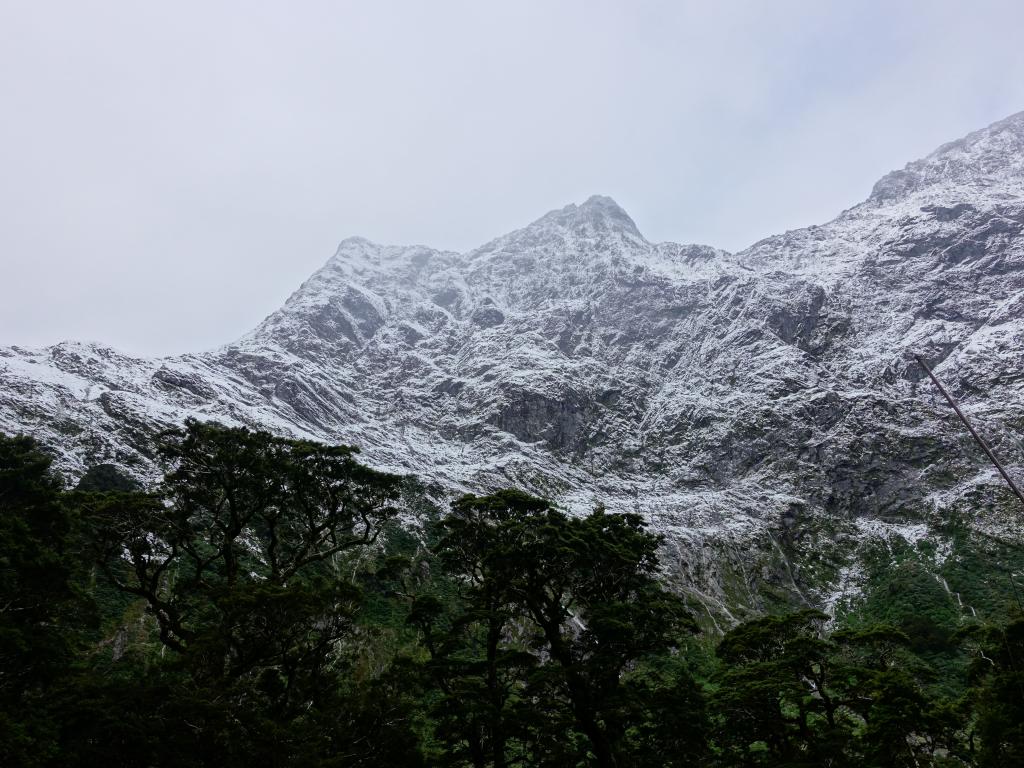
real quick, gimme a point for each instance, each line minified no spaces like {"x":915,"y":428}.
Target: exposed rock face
{"x":761,"y":408}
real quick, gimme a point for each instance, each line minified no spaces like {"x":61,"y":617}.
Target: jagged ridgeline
{"x":761,"y":409}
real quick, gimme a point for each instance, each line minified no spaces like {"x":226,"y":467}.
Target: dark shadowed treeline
{"x":264,"y":606}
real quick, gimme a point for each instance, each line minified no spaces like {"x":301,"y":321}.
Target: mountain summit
{"x":597,"y":213}
{"x":762,"y":409}
{"x":989,"y":159}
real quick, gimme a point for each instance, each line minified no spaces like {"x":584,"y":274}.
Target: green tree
{"x":774,"y":704}
{"x":479,"y":652}
{"x":882,"y":683}
{"x":106,"y":477}
{"x":997,"y":692}
{"x":42,"y":615}
{"x":788,"y":694}
{"x":242,"y":560}
{"x":240,"y":513}
{"x":564,"y":610}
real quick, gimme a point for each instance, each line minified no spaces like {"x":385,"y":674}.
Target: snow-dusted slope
{"x":760,"y":408}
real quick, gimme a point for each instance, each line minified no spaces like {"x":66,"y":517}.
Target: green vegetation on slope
{"x":265,"y":606}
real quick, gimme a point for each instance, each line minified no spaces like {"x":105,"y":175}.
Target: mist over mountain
{"x":762,"y":409}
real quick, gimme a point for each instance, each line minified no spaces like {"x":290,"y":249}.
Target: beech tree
{"x":561,"y":610}
{"x":997,"y":693}
{"x":239,"y":559}
{"x":239,"y":511}
{"x":42,"y":615}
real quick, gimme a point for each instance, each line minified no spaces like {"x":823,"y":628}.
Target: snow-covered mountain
{"x":761,"y":408}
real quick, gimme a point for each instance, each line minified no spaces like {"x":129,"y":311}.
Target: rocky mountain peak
{"x":758,"y":409}
{"x":595,"y":229}
{"x":991,"y":158}
{"x":597,"y":214}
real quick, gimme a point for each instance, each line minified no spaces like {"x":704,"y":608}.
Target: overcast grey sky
{"x":171,"y":171}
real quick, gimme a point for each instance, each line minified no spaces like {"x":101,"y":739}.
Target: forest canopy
{"x":276,"y":602}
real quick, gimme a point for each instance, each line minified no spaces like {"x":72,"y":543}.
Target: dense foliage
{"x":265,"y":606}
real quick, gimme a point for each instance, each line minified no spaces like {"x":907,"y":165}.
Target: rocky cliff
{"x":761,"y":408}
